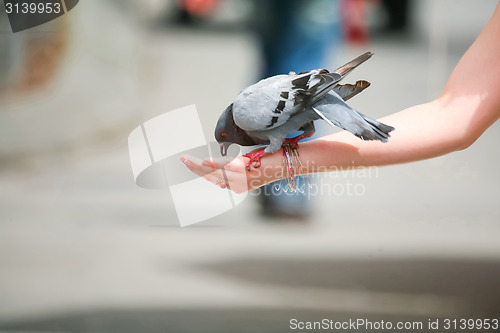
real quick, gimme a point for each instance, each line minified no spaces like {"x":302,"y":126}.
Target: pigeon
{"x":266,"y":112}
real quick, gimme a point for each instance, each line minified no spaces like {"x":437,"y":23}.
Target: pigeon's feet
{"x":294,"y":142}
{"x":254,"y":157}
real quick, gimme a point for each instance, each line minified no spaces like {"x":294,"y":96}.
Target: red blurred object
{"x":353,"y":21}
{"x":198,"y":7}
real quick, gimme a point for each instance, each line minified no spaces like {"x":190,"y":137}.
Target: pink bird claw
{"x":254,"y":158}
{"x":292,"y":142}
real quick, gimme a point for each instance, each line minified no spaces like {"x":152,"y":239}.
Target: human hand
{"x":233,"y":173}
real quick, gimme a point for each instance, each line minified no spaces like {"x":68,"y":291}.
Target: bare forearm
{"x":419,"y":135}
{"x":421,"y":132}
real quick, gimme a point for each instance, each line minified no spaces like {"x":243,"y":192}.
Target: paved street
{"x":83,"y":249}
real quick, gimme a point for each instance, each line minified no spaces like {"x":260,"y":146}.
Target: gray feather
{"x":342,"y":115}
{"x":348,"y":91}
{"x":351,"y":65}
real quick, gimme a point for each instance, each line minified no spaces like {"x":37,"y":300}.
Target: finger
{"x":190,"y":158}
{"x":216,"y":163}
{"x":216,"y":177}
{"x":194,"y":164}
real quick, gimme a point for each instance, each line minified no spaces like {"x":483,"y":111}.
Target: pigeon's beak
{"x":223,"y":148}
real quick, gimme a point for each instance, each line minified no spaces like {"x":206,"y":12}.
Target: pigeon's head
{"x":227,"y":132}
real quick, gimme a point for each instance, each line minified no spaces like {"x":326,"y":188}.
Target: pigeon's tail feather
{"x":347,"y":91}
{"x":336,"y":112}
{"x":378,"y":130}
{"x":347,"y":68}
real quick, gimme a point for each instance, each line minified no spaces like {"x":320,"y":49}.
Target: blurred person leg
{"x":295,"y":35}
{"x":397,"y":12}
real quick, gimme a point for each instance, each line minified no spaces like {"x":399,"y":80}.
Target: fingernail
{"x":187,"y":162}
{"x":207,"y":163}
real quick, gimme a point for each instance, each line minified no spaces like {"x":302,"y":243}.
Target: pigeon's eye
{"x":224,"y":134}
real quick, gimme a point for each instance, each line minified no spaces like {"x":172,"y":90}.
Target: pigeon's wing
{"x":271,"y":102}
{"x":262,"y":106}
{"x":312,"y":86}
{"x":308,"y":88}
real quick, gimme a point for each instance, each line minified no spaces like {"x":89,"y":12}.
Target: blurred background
{"x":83,"y":249}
